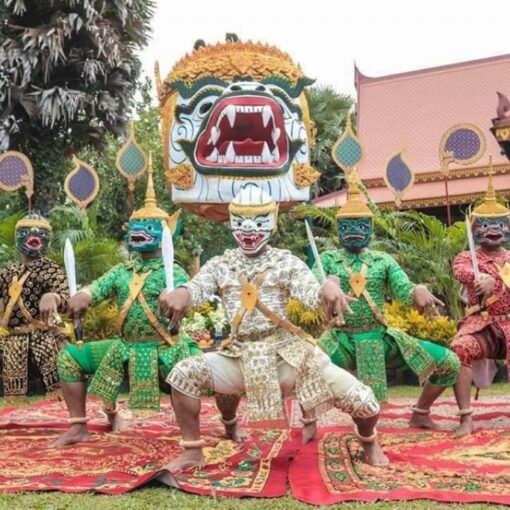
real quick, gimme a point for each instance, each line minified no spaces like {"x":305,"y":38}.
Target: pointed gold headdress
{"x":490,"y":208}
{"x":150,"y":209}
{"x":355,"y":207}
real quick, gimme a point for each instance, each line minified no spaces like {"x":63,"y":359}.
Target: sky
{"x":327,"y":37}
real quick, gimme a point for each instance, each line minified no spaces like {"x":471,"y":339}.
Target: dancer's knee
{"x":467,"y":348}
{"x":192,"y":377}
{"x":359,"y":401}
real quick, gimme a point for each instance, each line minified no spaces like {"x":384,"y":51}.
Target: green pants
{"x":400,"y":350}
{"x":76,"y":364}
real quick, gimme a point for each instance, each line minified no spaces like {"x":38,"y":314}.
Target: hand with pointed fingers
{"x":48,"y":307}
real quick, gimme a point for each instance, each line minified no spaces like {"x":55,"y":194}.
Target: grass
{"x":154,"y":496}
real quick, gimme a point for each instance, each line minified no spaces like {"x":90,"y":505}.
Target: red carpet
{"x":423,"y":464}
{"x":427,"y":465}
{"x":116,"y":463}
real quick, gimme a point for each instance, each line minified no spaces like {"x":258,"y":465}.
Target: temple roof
{"x":412,"y":111}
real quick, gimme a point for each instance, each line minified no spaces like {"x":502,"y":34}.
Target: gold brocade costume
{"x":257,"y":341}
{"x":23,"y":336}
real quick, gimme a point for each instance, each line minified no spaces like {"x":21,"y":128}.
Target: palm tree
{"x":328,"y":110}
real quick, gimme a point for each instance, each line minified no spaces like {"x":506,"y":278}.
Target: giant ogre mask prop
{"x":231,"y":113}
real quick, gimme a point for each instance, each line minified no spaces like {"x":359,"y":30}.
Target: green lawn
{"x":155,"y":496}
{"x":161,"y":498}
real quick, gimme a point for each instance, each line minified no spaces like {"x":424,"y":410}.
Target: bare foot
{"x":189,"y":458}
{"x":236,"y":433}
{"x":309,"y":432}
{"x":117,"y":422}
{"x":77,"y":433}
{"x":374,"y":455}
{"x":422,"y":421}
{"x":465,"y":428}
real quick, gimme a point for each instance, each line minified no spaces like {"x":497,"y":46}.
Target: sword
{"x":70,"y":265}
{"x":338,"y":321}
{"x":315,"y":252}
{"x":167,"y":248}
{"x":472,"y":249}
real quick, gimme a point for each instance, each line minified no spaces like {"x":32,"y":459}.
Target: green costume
{"x":148,"y":356}
{"x":145,"y":344}
{"x":366,"y":343}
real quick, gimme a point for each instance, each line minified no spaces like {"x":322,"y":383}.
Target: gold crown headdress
{"x":33,"y":220}
{"x":150,"y":209}
{"x":355,"y":207}
{"x":490,"y":208}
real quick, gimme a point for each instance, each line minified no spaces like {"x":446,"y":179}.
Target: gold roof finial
{"x":490,"y":208}
{"x":355,"y":207}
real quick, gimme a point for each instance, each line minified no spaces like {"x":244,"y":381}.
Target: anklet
{"x":233,"y":421}
{"x":366,"y":439}
{"x":465,"y":412}
{"x":115,"y":410}
{"x":418,"y":410}
{"x":188,"y":445}
{"x":75,"y":421}
{"x":308,"y":421}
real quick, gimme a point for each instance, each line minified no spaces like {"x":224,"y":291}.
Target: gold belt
{"x":504,"y":317}
{"x":362,"y":329}
{"x":20,"y":330}
{"x":141,"y":339}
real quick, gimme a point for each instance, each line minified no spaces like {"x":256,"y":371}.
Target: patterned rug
{"x":423,"y":464}
{"x":428,"y":465}
{"x":117,"y":463}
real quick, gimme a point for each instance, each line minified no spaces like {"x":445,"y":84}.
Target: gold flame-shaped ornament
{"x":357,"y":281}
{"x":249,"y":296}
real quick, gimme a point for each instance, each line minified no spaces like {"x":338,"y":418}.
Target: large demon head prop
{"x":234,"y":112}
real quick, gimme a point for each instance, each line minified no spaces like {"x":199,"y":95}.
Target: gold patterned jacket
{"x":258,"y":341}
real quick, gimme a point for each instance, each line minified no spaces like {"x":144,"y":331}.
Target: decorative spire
{"x":150,"y":210}
{"x":355,"y":207}
{"x":490,"y":208}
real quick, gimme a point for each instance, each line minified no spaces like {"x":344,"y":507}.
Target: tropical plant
{"x":94,"y":253}
{"x":425,"y":247}
{"x":8,"y":250}
{"x":100,"y":321}
{"x":68,"y":71}
{"x":328,"y":110}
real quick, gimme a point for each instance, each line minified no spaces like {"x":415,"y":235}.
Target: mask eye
{"x":149,"y":228}
{"x":259,"y":224}
{"x":205,"y":107}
